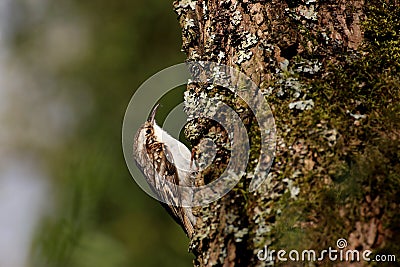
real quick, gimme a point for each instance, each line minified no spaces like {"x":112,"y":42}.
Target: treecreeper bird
{"x":162,"y":158}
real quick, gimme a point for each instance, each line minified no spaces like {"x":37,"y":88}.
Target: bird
{"x":162,"y":158}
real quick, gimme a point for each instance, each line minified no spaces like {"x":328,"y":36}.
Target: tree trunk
{"x":329,"y":71}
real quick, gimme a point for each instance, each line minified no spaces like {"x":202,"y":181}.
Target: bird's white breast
{"x":180,"y":153}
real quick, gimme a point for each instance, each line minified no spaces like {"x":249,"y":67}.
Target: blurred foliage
{"x":101,"y":217}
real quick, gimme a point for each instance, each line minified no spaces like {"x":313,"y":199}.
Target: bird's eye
{"x":148,"y":131}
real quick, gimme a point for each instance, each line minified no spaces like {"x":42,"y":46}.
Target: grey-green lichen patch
{"x":193,"y":55}
{"x":308,"y":66}
{"x":307,"y":12}
{"x":283,"y":65}
{"x":302,"y":104}
{"x":239,"y":235}
{"x":356,"y":116}
{"x":248,"y":40}
{"x":221,"y":56}
{"x":202,"y":104}
{"x":262,"y":226}
{"x":237,"y":17}
{"x":294,"y":190}
{"x":181,"y":5}
{"x":206,"y":154}
{"x":243,"y":56}
{"x":189,"y":23}
{"x":292,"y":81}
{"x":325,"y":37}
{"x":205,"y":10}
{"x":288,"y":87}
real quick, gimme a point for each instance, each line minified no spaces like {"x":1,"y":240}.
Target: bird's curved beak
{"x":153,"y":114}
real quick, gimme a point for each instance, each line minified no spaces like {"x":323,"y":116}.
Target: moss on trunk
{"x":330,"y":72}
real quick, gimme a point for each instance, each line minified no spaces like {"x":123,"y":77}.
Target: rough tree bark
{"x":330,"y":73}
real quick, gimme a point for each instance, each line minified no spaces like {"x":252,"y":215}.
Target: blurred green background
{"x":67,"y":72}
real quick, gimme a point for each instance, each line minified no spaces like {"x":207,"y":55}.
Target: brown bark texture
{"x":330,"y":73}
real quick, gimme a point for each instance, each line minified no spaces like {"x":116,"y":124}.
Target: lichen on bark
{"x":330,"y":73}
